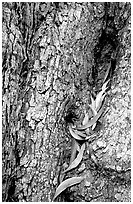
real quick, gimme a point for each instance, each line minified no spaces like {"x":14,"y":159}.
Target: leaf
{"x":77,"y":161}
{"x":93,"y":121}
{"x":87,"y":131}
{"x":98,"y":100}
{"x":104,"y":85}
{"x":67,"y":183}
{"x":107,"y":72}
{"x":93,"y":102}
{"x":80,"y":133}
{"x":93,"y":127}
{"x":75,"y":147}
{"x":93,"y":109}
{"x":86,"y":118}
{"x":100,"y":96}
{"x":94,"y":113}
{"x":76,"y":136}
{"x":85,"y":121}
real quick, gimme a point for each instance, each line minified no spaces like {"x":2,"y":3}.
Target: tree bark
{"x":54,"y":56}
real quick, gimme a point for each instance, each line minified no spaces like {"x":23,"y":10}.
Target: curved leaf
{"x":75,"y":147}
{"x":93,"y":102}
{"x":101,"y":95}
{"x":94,"y":113}
{"x":104,"y":86}
{"x":87,"y":131}
{"x":93,"y":121}
{"x":100,"y":102}
{"x":80,"y":133}
{"x":86,"y":119}
{"x":93,"y":127}
{"x":99,"y":99}
{"x":67,"y":183}
{"x":76,"y":136}
{"x":76,"y":162}
{"x":107,"y":72}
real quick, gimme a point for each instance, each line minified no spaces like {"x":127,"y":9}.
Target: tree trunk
{"x":54,"y":56}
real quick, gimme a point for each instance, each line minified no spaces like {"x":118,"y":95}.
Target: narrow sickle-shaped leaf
{"x":85,"y":121}
{"x":75,"y":147}
{"x":67,"y":183}
{"x":93,"y":126}
{"x":94,"y":113}
{"x":99,"y":99}
{"x":86,"y":118}
{"x":93,"y":121}
{"x":107,"y":72}
{"x":93,"y":109}
{"x":80,"y":133}
{"x":100,"y":102}
{"x":93,"y":102}
{"x":76,"y":136}
{"x":100,"y":96}
{"x":87,"y":131}
{"x":77,"y":161}
{"x":104,"y":86}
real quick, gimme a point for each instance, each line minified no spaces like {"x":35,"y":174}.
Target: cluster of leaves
{"x":82,"y":133}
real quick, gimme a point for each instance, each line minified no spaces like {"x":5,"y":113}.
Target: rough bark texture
{"x":54,"y":55}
